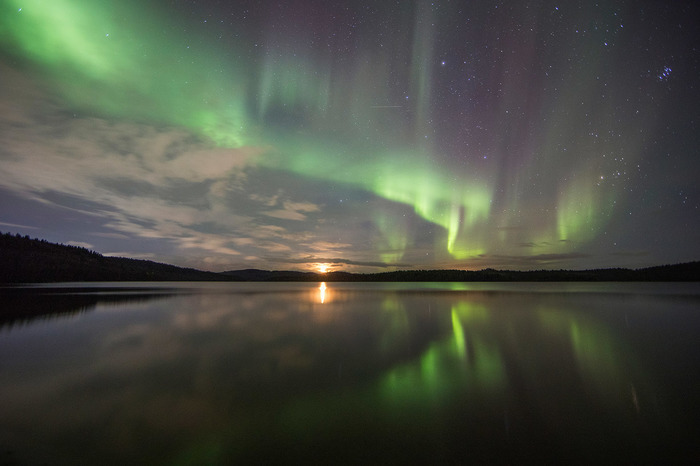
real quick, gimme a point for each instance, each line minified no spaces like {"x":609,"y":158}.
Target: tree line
{"x":31,"y":260}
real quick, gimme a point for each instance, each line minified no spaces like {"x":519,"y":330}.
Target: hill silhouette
{"x":680,"y":272}
{"x":27,"y":260}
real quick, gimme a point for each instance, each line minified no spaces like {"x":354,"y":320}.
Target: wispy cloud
{"x":524,"y":262}
{"x":630,"y":253}
{"x":316,"y":260}
{"x":293,"y":210}
{"x":16,"y":225}
{"x":80,"y":244}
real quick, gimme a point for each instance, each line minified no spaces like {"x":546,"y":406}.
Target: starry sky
{"x":362,"y":136}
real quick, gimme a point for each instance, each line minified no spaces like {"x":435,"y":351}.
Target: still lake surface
{"x":350,"y":373}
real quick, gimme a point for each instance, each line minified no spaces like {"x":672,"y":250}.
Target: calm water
{"x":436,"y":373}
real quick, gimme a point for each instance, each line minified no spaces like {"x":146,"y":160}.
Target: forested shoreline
{"x":30,"y":260}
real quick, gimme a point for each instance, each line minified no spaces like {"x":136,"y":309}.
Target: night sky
{"x":363,"y":136}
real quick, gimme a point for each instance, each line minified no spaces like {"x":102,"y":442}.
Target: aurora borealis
{"x":360,"y":136}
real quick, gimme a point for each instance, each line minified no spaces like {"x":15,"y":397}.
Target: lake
{"x":349,"y":373}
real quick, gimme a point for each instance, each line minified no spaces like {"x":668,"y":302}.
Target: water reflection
{"x":309,"y":372}
{"x":21,"y":306}
{"x":322,"y":292}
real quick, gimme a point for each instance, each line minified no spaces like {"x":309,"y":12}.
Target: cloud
{"x":524,"y":262}
{"x":269,"y":201}
{"x":316,"y":260}
{"x":541,"y":244}
{"x":131,"y":255}
{"x":285,"y":214}
{"x":80,"y":244}
{"x":293,"y":210}
{"x":274,"y":247}
{"x":85,"y":159}
{"x":16,"y":225}
{"x":139,"y":180}
{"x":206,"y":164}
{"x":630,"y":253}
{"x":213,"y":243}
{"x":321,"y":246}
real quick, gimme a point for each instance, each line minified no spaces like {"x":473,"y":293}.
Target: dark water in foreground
{"x":356,"y":373}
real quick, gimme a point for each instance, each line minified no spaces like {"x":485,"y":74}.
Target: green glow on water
{"x":599,"y":357}
{"x":460,"y":341}
{"x":463,"y":361}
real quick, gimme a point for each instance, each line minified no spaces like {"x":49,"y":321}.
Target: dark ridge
{"x":27,"y":260}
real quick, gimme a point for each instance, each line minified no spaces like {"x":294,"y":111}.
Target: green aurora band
{"x":114,"y":59}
